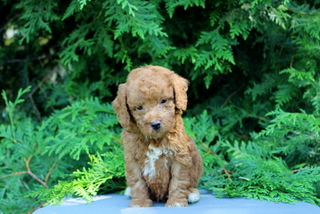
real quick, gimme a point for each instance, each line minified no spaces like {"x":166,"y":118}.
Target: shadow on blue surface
{"x":116,"y":203}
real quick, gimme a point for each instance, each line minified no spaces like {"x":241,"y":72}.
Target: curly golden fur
{"x":162,"y":161}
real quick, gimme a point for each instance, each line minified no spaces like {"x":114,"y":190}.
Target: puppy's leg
{"x":139,"y":196}
{"x":179,"y":186}
{"x":137,"y":189}
{"x":195,"y":175}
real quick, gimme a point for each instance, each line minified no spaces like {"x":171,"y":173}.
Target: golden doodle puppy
{"x":162,"y":161}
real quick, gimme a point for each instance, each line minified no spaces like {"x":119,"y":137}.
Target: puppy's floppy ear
{"x":180,"y":87}
{"x":120,"y":106}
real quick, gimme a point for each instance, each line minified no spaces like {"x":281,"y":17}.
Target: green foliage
{"x":261,"y":169}
{"x":105,"y":173}
{"x":22,"y":166}
{"x":84,"y":123}
{"x":38,"y":16}
{"x":36,"y":156}
{"x":295,"y":136}
{"x":254,"y":93}
{"x":265,"y":180}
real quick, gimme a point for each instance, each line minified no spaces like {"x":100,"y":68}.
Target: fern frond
{"x":82,"y":124}
{"x":140,"y":18}
{"x":86,"y":182}
{"x":73,"y":7}
{"x":37,"y":16}
{"x":268,"y":180}
{"x":82,"y":3}
{"x":284,"y":93}
{"x":171,"y":5}
{"x":183,"y":53}
{"x":269,"y":82}
{"x":220,"y":51}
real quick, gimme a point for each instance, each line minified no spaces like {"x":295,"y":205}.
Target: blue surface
{"x":116,"y":203}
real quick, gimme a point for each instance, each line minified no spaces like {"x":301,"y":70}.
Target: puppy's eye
{"x":139,"y":108}
{"x":163,"y":101}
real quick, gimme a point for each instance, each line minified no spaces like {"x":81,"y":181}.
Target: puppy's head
{"x":150,"y":100}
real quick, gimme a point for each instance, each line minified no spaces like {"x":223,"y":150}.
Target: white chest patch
{"x":153,"y":155}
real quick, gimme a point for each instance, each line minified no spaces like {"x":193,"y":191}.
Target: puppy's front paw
{"x":127,"y":192}
{"x":193,"y":197}
{"x":177,"y":203}
{"x":141,"y":203}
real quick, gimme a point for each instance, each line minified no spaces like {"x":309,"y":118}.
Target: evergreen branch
{"x":35,"y":108}
{"x":216,"y":155}
{"x":241,"y":136}
{"x":209,"y":150}
{"x":50,"y":170}
{"x":28,"y":59}
{"x":295,"y":10}
{"x":14,"y":174}
{"x":228,"y":174}
{"x":262,"y":118}
{"x":231,"y":95}
{"x":297,"y":170}
{"x":29,"y":172}
{"x":116,"y":139}
{"x":36,"y":208}
{"x":30,"y":95}
{"x":5,"y":26}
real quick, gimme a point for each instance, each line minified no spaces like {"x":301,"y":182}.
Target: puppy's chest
{"x":158,"y":161}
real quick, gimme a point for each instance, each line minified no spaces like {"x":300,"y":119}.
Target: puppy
{"x":162,"y":161}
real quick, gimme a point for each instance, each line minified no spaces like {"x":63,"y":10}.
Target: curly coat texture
{"x":162,"y":161}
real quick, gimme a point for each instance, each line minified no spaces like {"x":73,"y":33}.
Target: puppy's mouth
{"x":154,"y":130}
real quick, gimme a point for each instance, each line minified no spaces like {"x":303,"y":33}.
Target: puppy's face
{"x":150,"y":99}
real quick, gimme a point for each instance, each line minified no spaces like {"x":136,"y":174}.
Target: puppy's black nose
{"x":155,"y":125}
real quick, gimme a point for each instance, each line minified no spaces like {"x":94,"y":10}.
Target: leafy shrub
{"x":265,"y":180}
{"x":261,"y":169}
{"x":36,"y":156}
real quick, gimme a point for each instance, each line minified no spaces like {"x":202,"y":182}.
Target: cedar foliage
{"x":254,"y":95}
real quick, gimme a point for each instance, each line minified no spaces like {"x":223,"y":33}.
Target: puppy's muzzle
{"x":156,"y":125}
